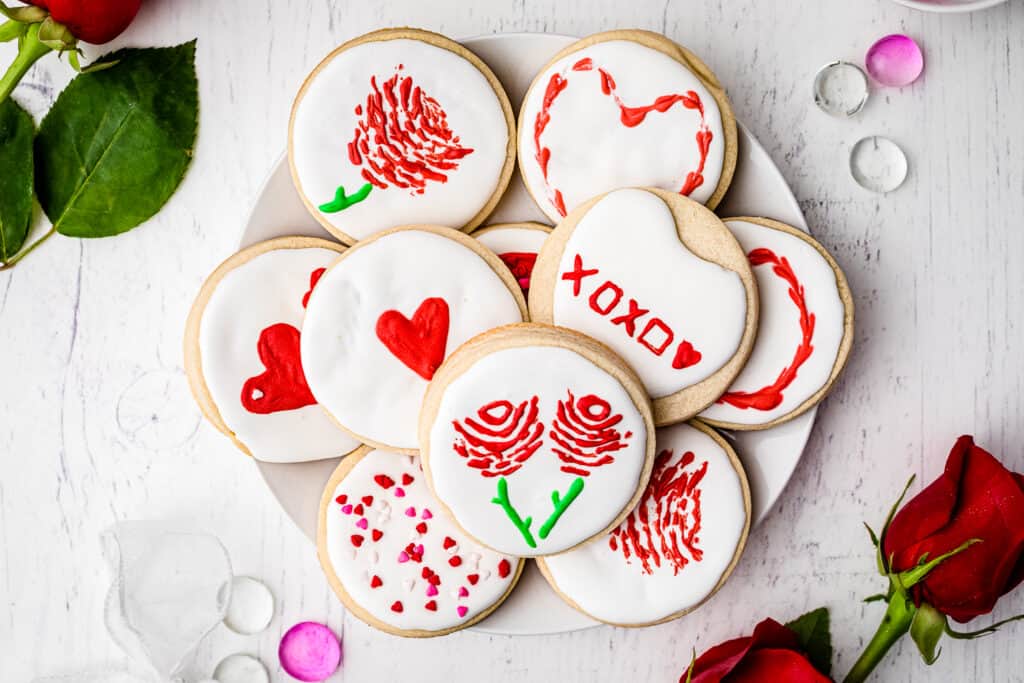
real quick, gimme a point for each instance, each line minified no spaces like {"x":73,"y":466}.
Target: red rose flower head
{"x":94,"y":21}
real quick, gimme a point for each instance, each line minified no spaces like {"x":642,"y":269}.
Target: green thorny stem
{"x":895,"y":624}
{"x":523,"y":525}
{"x":561,"y":504}
{"x":30,"y":49}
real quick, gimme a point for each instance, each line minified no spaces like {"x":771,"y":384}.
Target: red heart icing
{"x":521,"y":264}
{"x":283,"y":385}
{"x":685,"y":356}
{"x":420,"y":342}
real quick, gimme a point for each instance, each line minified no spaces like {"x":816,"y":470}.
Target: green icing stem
{"x":522,"y":524}
{"x":342,"y":201}
{"x":561,"y":505}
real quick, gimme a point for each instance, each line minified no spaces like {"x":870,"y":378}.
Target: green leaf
{"x":16,"y":131}
{"x":116,"y":144}
{"x":883,"y":565}
{"x":926,"y":629}
{"x":812,"y":630}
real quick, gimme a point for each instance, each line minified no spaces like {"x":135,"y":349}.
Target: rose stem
{"x":29,"y":50}
{"x":522,"y":524}
{"x":561,"y":505}
{"x":895,"y":624}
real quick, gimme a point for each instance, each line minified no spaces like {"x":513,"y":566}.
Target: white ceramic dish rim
{"x":950,"y":9}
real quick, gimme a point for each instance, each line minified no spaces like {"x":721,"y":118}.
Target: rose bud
{"x":94,"y":21}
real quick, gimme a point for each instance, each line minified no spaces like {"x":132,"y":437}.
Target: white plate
{"x":950,"y":6}
{"x":758,"y":189}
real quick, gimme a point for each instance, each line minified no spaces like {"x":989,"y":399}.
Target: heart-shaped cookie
{"x":625,"y":109}
{"x":659,"y":279}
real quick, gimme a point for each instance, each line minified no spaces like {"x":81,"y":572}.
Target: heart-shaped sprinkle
{"x":463,"y":592}
{"x":410,"y":512}
{"x":406,"y":479}
{"x":347,"y":509}
{"x":358,"y":509}
{"x":427,"y":572}
{"x":399,"y":492}
{"x":431,"y":590}
{"x":408,"y":584}
{"x":473,"y":578}
{"x":362,"y":523}
{"x":384,"y":481}
{"x":435,"y":579}
{"x":357,"y":540}
{"x":403,"y":556}
{"x":462,"y":610}
{"x":396,"y":606}
{"x":341,"y":500}
{"x":455,"y":560}
{"x":376,"y":534}
{"x":504,"y":568}
{"x":375,"y":582}
{"x":448,"y":542}
{"x":419,"y":549}
{"x":432,"y":606}
{"x":421,"y":527}
{"x":426,"y":514}
{"x":367,"y":501}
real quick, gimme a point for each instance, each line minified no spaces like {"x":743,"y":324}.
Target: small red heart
{"x":396,"y":606}
{"x":448,"y":542}
{"x":282,"y":386}
{"x":407,"y":479}
{"x":473,"y":578}
{"x":384,"y":481}
{"x":455,"y":560}
{"x":358,"y":511}
{"x":341,"y":500}
{"x":504,"y":568}
{"x":377,"y":534}
{"x":375,"y":582}
{"x":686,"y":356}
{"x":420,"y":342}
{"x":367,"y":500}
{"x":421,"y":527}
{"x":427,"y":572}
{"x":357,"y":540}
{"x":435,"y":579}
{"x":432,"y":606}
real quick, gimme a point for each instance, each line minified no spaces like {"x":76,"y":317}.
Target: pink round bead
{"x":895,"y":60}
{"x":310,"y":652}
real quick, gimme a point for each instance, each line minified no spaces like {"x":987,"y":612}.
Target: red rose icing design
{"x":585,"y":435}
{"x":419,"y":342}
{"x":283,"y":385}
{"x":664,"y":527}
{"x":521,"y":264}
{"x":501,"y":437}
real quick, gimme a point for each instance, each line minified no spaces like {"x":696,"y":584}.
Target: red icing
{"x":283,"y":384}
{"x":420,"y":342}
{"x":501,"y":437}
{"x":384,"y":481}
{"x":576,"y":275}
{"x":629,"y":319}
{"x":521,"y":264}
{"x":504,"y":568}
{"x":585,"y":435}
{"x":664,"y":527}
{"x":630,"y":117}
{"x":769,"y":397}
{"x":403,"y":138}
{"x":686,"y":356}
{"x":375,"y":582}
{"x":314,"y":278}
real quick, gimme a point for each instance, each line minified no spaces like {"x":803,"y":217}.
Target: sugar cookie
{"x":387,"y":313}
{"x":672,"y":293}
{"x":242,"y":343}
{"x":396,"y":127}
{"x":804,"y":334}
{"x":536,"y":439}
{"x":624,"y":109}
{"x":517,"y":244}
{"x":393,"y":557}
{"x":676,"y":548}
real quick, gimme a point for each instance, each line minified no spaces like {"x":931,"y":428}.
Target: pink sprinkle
{"x":462,"y":610}
{"x":403,"y":556}
{"x":419,"y":549}
{"x":399,"y":492}
{"x":362,"y":523}
{"x":463,"y":593}
{"x":347,"y":509}
{"x":431,"y":590}
{"x":410,"y":512}
{"x":426,"y":514}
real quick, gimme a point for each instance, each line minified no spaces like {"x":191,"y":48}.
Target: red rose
{"x":94,"y":21}
{"x":772,"y":653}
{"x":975,"y":498}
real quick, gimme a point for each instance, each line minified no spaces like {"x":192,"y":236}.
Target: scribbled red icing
{"x":665,"y":526}
{"x":282,"y":386}
{"x":403,"y":138}
{"x":501,"y":437}
{"x":630,"y":117}
{"x":585,"y":435}
{"x":769,"y":397}
{"x":420,"y":342}
{"x":521,"y":264}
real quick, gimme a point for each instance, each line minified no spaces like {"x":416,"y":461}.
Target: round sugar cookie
{"x":679,"y":545}
{"x":536,"y":439}
{"x":387,"y":313}
{"x":400,"y":126}
{"x":242,"y":344}
{"x":517,"y":244}
{"x":393,"y":557}
{"x":673,"y":294}
{"x":805,"y":331}
{"x":625,"y":108}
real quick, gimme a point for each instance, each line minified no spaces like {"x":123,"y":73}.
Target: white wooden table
{"x":96,"y":424}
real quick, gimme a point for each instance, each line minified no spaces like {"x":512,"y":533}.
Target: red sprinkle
{"x":384,"y":481}
{"x":455,"y":560}
{"x":427,"y":572}
{"x":421,"y":527}
{"x":357,"y":540}
{"x":407,"y":479}
{"x":375,"y":582}
{"x":473,"y":578}
{"x":367,"y":500}
{"x":397,"y":606}
{"x":448,"y":542}
{"x":504,"y":568}
{"x":432,"y":606}
{"x":435,"y":579}
{"x":341,"y":500}
{"x":358,"y":510}
{"x":376,"y":534}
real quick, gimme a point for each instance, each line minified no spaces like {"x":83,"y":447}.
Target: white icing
{"x":403,"y":581}
{"x":325,"y":121}
{"x":593,"y":152}
{"x":264,"y":291}
{"x":630,"y":237}
{"x":351,"y":372}
{"x":607,"y":586}
{"x":513,"y":239}
{"x":517,"y":374}
{"x":779,"y":334}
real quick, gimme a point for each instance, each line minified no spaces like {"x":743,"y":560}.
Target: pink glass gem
{"x":895,"y":60}
{"x":310,"y":652}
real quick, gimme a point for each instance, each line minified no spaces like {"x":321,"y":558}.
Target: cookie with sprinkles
{"x":676,"y":548}
{"x":400,"y":126}
{"x":674,"y":296}
{"x":393,"y":557}
{"x":517,"y":244}
{"x":805,"y":333}
{"x":625,"y":108}
{"x":535,"y":439}
{"x":242,"y":351}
